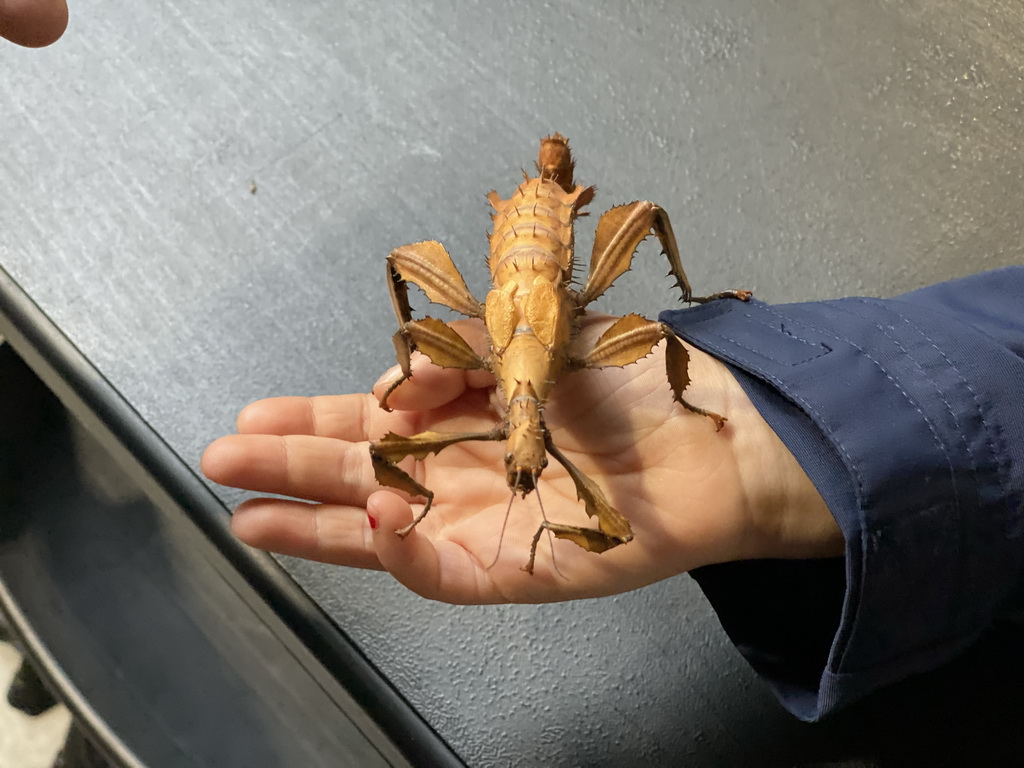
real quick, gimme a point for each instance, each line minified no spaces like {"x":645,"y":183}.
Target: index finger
{"x":342,"y":417}
{"x":359,"y":417}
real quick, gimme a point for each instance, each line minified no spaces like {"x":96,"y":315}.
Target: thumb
{"x":33,"y":23}
{"x":438,"y":570}
{"x":412,"y":560}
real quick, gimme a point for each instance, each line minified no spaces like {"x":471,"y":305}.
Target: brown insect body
{"x":531,"y":315}
{"x":530,"y":312}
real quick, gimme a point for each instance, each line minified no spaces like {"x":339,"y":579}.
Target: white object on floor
{"x":27,"y":742}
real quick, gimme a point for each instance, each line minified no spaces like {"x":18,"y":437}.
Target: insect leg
{"x":389,"y":450}
{"x":428,"y":265}
{"x":677,"y":362}
{"x":619,"y":232}
{"x":437,"y":341}
{"x":613,"y":528}
{"x":399,"y":291}
{"x":633,"y":337}
{"x":432,"y":337}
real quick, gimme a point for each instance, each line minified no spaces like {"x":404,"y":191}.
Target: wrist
{"x":781,"y":514}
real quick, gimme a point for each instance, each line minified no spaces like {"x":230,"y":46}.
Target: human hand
{"x":33,"y":23}
{"x":693,"y":496}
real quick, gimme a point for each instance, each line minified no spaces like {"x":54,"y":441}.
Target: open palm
{"x":693,"y":496}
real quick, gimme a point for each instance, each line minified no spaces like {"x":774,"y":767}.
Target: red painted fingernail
{"x":373,"y":521}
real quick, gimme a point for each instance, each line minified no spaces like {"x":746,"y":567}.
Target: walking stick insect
{"x":531,"y":315}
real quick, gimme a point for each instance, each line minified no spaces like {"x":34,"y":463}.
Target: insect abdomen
{"x":537,"y":218}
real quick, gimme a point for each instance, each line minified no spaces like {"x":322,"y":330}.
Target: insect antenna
{"x":501,"y":536}
{"x":551,"y":537}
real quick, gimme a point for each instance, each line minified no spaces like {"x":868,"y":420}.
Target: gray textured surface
{"x":804,"y":150}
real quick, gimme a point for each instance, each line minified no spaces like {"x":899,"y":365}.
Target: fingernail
{"x":374,"y":522}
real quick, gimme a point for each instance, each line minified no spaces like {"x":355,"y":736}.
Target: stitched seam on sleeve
{"x":857,"y":617}
{"x":938,"y":391}
{"x":819,"y":348}
{"x":761,"y":354}
{"x":782,"y":329}
{"x":902,"y":391}
{"x":989,"y":440}
{"x":931,"y":427}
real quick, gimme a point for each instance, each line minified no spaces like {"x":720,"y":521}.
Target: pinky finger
{"x":327,"y":533}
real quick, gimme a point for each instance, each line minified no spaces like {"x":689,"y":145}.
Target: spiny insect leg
{"x":663,"y":230}
{"x":399,"y":291}
{"x":613,"y":528}
{"x":677,"y":363}
{"x":633,"y":337}
{"x":588,"y":538}
{"x":619,"y":232}
{"x":435,"y":339}
{"x":627,"y":340}
{"x":428,"y":265}
{"x":389,"y":450}
{"x":739,"y":293}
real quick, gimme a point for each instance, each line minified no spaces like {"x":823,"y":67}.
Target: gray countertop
{"x":201,"y":195}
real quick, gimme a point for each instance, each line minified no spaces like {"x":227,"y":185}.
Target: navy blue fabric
{"x":908,"y":416}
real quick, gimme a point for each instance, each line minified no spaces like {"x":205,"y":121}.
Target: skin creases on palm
{"x":602,"y":420}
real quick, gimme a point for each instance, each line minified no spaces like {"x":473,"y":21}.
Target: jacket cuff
{"x":901,"y":446}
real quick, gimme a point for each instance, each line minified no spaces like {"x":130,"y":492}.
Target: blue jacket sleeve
{"x":908,"y":416}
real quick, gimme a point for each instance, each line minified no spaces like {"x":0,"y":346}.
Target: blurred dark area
{"x":124,"y":614}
